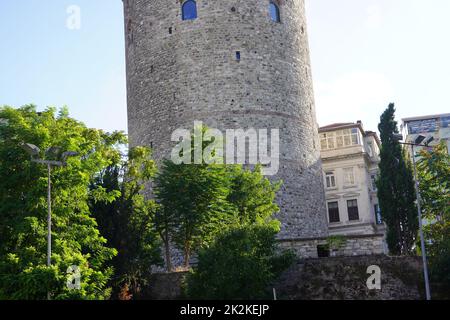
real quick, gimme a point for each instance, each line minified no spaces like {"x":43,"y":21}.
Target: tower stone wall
{"x":181,"y":71}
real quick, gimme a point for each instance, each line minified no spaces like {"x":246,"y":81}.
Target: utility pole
{"x":34,"y":152}
{"x":422,"y":239}
{"x":418,"y":142}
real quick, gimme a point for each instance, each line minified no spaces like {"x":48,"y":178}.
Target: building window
{"x":339,"y":139}
{"x":347,"y":137}
{"x":189,"y":10}
{"x":349,"y":177}
{"x":330,"y":180}
{"x":327,"y":140}
{"x":378,"y":218}
{"x":274,"y":12}
{"x":323,"y":141}
{"x":353,"y":133}
{"x":352,"y":208}
{"x":238,"y":55}
{"x":333,"y":212}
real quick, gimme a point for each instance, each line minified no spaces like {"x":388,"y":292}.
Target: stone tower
{"x":232,"y":65}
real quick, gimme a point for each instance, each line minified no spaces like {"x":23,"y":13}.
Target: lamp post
{"x":34,"y":151}
{"x":417,"y":143}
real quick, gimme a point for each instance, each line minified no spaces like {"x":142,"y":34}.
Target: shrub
{"x":240,"y":264}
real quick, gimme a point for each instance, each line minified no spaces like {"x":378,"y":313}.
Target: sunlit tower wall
{"x":231,"y":64}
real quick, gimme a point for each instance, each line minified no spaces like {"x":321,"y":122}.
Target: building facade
{"x":435,"y":128}
{"x":232,"y":65}
{"x":350,"y":159}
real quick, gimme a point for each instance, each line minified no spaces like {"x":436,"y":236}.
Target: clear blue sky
{"x":365,"y":54}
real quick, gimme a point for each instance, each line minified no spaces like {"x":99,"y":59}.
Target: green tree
{"x":244,"y":258}
{"x":252,"y":194}
{"x":128,"y":220}
{"x":76,"y":239}
{"x":434,"y":176}
{"x":199,"y":201}
{"x":240,"y":264}
{"x":396,"y":192}
{"x":193,"y":199}
{"x":165,"y":224}
{"x":195,"y":206}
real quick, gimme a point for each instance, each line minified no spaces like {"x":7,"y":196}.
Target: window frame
{"x":274,"y":9}
{"x":353,"y":211}
{"x":331,"y":178}
{"x":333,"y":213}
{"x":184,"y":5}
{"x":344,"y":138}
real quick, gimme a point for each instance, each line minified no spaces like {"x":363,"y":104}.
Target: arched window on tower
{"x":189,"y":9}
{"x":274,"y":12}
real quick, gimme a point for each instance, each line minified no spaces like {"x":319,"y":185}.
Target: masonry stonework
{"x":181,"y":71}
{"x":355,"y":245}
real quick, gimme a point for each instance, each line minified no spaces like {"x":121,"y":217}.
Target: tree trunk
{"x":187,"y":255}
{"x":167,"y":251}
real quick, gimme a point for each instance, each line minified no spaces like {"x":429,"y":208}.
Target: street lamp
{"x":34,"y":151}
{"x":417,"y":143}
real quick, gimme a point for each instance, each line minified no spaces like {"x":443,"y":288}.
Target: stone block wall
{"x":164,"y":286}
{"x":182,"y":71}
{"x":337,"y":278}
{"x":364,"y":245}
{"x":345,"y":278}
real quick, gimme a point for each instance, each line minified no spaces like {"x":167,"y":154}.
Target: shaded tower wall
{"x":180,"y":71}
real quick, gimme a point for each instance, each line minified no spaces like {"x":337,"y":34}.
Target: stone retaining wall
{"x":337,"y":278}
{"x":363,"y":245}
{"x":345,"y":278}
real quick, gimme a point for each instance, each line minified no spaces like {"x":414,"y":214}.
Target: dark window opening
{"x":274,"y":12}
{"x":170,"y":30}
{"x":333,"y":212}
{"x":323,"y":251}
{"x":353,"y":212}
{"x":238,"y":55}
{"x":189,"y":10}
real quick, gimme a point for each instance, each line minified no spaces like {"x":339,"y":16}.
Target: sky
{"x":365,"y":54}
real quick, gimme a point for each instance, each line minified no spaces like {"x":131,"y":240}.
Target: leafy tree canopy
{"x":23,"y":206}
{"x":128,"y":221}
{"x":200,"y":201}
{"x":434,"y":176}
{"x":240,"y":264}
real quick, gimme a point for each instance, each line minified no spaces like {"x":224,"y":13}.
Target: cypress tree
{"x":396,"y":191}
